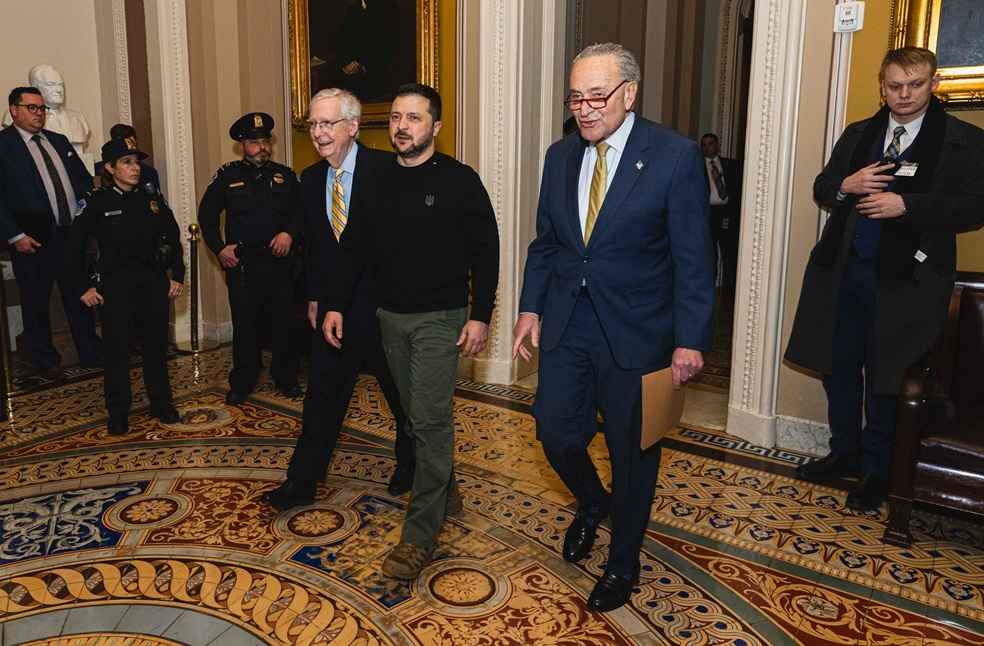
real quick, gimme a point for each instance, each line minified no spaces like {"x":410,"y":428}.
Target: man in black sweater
{"x":435,"y":234}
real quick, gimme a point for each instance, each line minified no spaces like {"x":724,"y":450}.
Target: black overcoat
{"x":916,"y":260}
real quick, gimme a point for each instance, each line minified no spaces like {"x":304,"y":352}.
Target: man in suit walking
{"x":899,"y":186}
{"x":43,"y":184}
{"x":724,"y":188}
{"x":336,"y":191}
{"x":620,"y":278}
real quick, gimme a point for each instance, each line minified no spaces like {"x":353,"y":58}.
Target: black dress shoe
{"x":611,"y":592}
{"x":166,"y":414}
{"x":290,"y":391}
{"x":580,"y":537}
{"x":869,"y":494}
{"x":290,"y":494}
{"x":235,"y":397}
{"x":832,"y":467}
{"x":401,"y":481}
{"x":118,"y":426}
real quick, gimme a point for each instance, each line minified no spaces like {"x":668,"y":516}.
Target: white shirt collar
{"x":26,"y":136}
{"x":348,"y":164}
{"x":911,"y":128}
{"x":617,"y":139}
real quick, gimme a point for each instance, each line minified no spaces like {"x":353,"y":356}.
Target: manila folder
{"x":662,"y":406}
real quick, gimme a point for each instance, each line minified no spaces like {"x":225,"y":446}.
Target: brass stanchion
{"x":195,"y":345}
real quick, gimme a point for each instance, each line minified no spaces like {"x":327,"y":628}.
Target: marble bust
{"x":60,"y":119}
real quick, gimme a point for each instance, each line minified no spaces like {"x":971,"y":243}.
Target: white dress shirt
{"x":911,"y":130}
{"x":616,"y":145}
{"x":715,"y":198}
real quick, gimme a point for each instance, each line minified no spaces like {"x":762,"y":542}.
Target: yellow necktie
{"x":599,"y":184}
{"x":338,"y":215}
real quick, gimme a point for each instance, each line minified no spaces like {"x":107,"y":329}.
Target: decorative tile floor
{"x":160,"y":537}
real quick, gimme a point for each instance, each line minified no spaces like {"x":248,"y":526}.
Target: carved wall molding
{"x":122,"y":60}
{"x":771,"y":130}
{"x":521,"y":44}
{"x":173,"y":129}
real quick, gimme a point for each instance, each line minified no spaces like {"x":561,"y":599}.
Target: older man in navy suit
{"x":43,"y":184}
{"x":620,"y":277}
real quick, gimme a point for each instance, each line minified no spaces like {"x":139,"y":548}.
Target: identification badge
{"x":920,"y":256}
{"x":112,"y":213}
{"x":278,"y":178}
{"x":153,"y":207}
{"x":907,"y":169}
{"x":237,"y":184}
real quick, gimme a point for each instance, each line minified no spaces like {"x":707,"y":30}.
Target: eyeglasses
{"x":33,"y":108}
{"x":315,"y":126}
{"x":594,"y":102}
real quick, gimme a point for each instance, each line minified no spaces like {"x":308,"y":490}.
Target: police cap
{"x":120,"y":147}
{"x":255,"y":125}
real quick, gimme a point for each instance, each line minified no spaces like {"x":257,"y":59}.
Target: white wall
{"x":63,"y":34}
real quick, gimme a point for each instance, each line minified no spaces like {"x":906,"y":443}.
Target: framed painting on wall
{"x":954,"y":29}
{"x":369,"y":47}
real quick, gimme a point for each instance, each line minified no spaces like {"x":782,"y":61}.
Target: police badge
{"x":154,"y":207}
{"x":278,"y":178}
{"x":257,"y":121}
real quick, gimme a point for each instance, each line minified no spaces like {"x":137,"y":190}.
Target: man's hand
{"x":281,"y":244}
{"x":881,"y":206}
{"x":174,"y":289}
{"x":867,"y":180}
{"x":332,"y":329}
{"x":313,"y":314}
{"x":686,"y":363}
{"x":473,"y":337}
{"x":91,"y":297}
{"x":27,"y":244}
{"x":227,"y":257}
{"x":527,"y":325}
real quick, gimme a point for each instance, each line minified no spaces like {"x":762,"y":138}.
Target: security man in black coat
{"x":138,"y":244}
{"x":261,"y":199}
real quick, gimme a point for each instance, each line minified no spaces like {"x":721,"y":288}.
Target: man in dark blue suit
{"x":620,"y":277}
{"x":43,"y":184}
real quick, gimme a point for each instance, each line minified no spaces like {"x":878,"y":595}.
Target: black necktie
{"x":64,"y":216}
{"x":718,"y":181}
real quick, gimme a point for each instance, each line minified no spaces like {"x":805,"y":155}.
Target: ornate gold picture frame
{"x":918,"y":23}
{"x":374,"y":115}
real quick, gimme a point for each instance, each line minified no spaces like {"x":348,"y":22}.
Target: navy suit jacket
{"x":324,"y":255}
{"x":24,"y":204}
{"x":648,"y":265}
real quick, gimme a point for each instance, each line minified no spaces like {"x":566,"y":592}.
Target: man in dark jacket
{"x":724,"y":191}
{"x":900,"y":186}
{"x":340,"y":190}
{"x":42,"y":188}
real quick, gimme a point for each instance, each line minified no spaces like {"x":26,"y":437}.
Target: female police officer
{"x":138,"y":243}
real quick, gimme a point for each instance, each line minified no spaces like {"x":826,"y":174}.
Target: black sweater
{"x":433,"y":230}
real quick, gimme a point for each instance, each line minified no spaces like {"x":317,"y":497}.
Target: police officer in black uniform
{"x":262,"y":200}
{"x":138,"y":244}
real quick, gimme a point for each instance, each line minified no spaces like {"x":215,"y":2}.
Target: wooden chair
{"x":939,"y":439}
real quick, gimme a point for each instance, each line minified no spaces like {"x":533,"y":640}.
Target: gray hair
{"x":624,"y":59}
{"x":351,"y":108}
